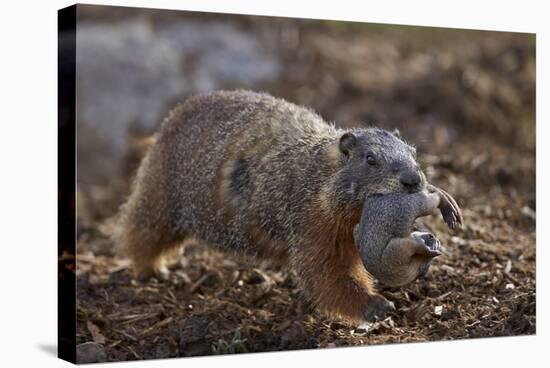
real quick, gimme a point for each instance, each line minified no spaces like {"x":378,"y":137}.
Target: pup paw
{"x":452,"y":215}
{"x":432,"y":244}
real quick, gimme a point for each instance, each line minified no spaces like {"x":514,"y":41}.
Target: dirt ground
{"x":466,"y":99}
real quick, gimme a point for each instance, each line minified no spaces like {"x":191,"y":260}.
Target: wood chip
{"x":156,"y":326}
{"x":95,"y":332}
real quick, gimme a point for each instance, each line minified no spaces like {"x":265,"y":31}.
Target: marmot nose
{"x":410,"y":180}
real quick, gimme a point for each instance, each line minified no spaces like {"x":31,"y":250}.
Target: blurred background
{"x":465,"y":98}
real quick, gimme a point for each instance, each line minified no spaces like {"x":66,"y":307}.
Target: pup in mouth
{"x":391,"y":250}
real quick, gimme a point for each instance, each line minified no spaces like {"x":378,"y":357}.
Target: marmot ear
{"x":397,"y":133}
{"x":347,"y":143}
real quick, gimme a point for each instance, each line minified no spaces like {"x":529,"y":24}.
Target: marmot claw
{"x":377,"y":308}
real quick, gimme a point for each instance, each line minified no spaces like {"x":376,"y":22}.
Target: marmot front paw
{"x":377,"y":308}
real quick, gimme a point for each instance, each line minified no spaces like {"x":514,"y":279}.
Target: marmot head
{"x":376,"y":161}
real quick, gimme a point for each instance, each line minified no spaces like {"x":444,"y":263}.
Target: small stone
{"x":365,"y":327}
{"x":529,"y":213}
{"x":510,"y":286}
{"x":458,"y":240}
{"x":90,"y":352}
{"x":192,"y":341}
{"x":508,"y":267}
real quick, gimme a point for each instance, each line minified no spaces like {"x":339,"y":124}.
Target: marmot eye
{"x":371,"y":160}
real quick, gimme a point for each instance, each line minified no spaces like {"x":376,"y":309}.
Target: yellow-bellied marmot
{"x":252,"y":173}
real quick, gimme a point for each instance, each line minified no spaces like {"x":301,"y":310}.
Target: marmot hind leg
{"x":150,"y":250}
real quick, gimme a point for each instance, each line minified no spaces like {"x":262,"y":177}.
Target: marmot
{"x":252,"y":173}
{"x":391,"y":251}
